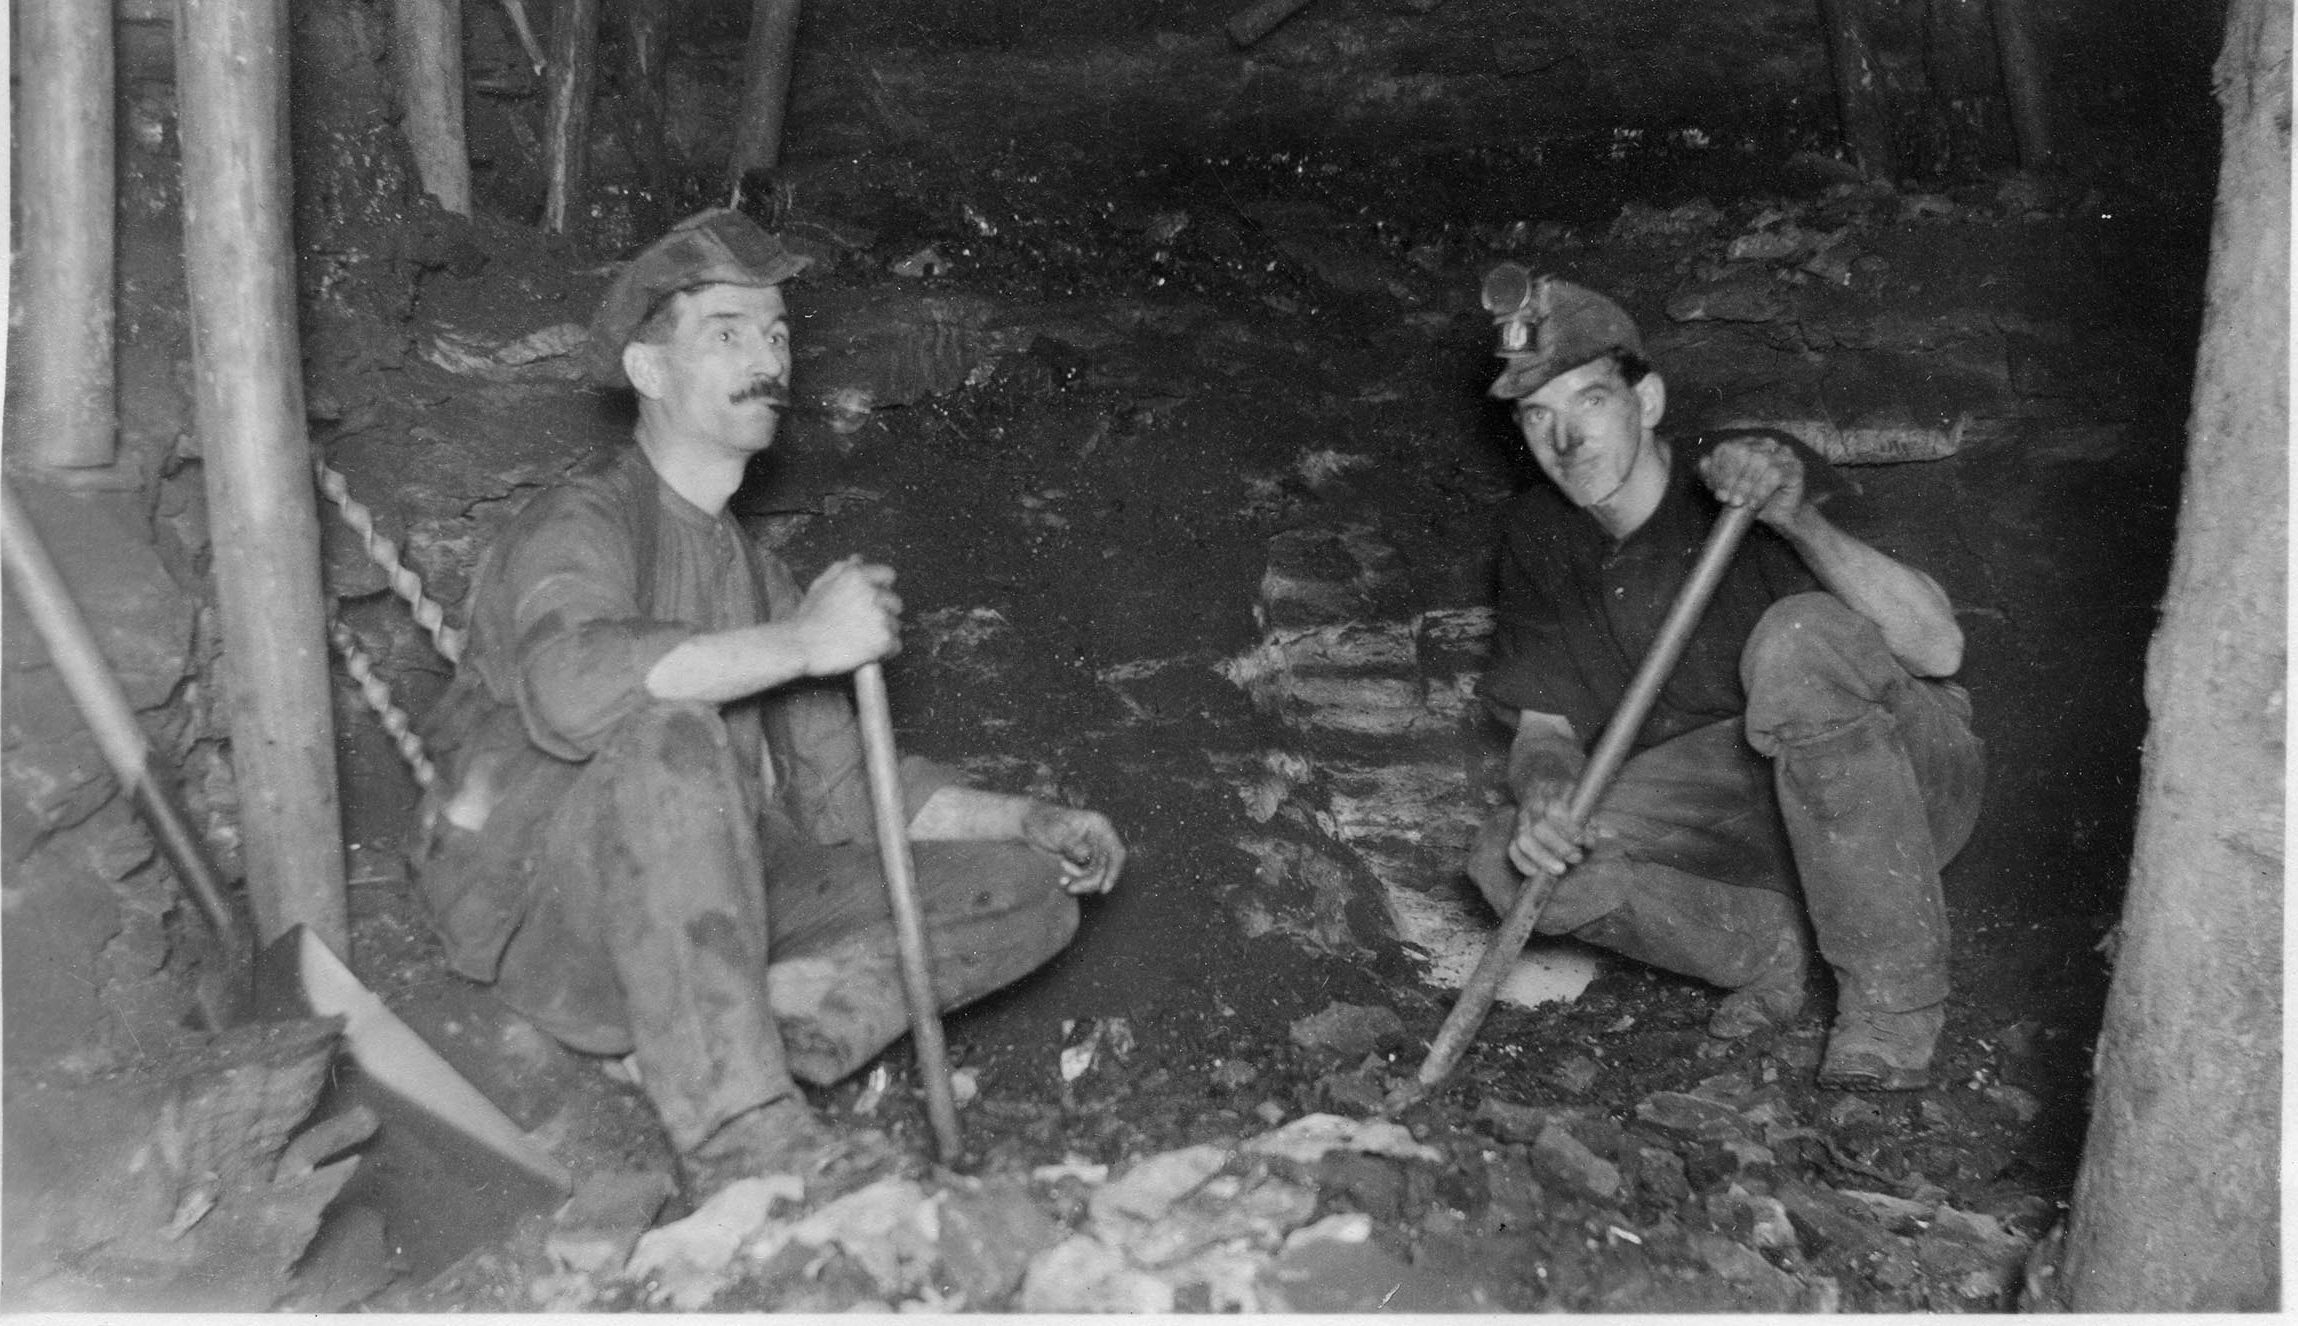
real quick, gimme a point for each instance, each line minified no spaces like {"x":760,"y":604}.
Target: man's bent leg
{"x":649,"y":931}
{"x":1825,"y":700}
{"x":1690,"y":873}
{"x":993,"y":912}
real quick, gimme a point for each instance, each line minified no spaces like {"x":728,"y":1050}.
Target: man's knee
{"x":674,"y":730}
{"x":1806,"y":635}
{"x":1810,"y":665}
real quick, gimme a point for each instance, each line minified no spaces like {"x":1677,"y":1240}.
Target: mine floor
{"x":1128,"y":414}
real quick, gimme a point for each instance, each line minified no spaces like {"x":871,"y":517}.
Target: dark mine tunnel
{"x":441,"y":434}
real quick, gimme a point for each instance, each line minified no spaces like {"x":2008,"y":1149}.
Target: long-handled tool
{"x":105,"y":708}
{"x":1452,"y":1039}
{"x":438,"y":1127}
{"x":909,"y":921}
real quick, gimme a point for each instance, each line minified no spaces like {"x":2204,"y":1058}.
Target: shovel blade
{"x":447,"y":1169}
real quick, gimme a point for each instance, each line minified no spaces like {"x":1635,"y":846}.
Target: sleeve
{"x":581,"y":648}
{"x":829,"y":787}
{"x":1532,"y":666}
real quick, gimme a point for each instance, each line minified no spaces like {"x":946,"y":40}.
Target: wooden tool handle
{"x":886,"y":808}
{"x":105,"y":708}
{"x":1452,"y":1039}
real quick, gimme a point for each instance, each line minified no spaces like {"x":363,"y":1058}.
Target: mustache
{"x":764,"y":389}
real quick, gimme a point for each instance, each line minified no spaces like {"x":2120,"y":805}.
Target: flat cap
{"x":1549,"y":327}
{"x":717,"y":247}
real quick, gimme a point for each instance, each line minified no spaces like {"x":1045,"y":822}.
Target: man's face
{"x":724,"y":373}
{"x":1587,"y":428}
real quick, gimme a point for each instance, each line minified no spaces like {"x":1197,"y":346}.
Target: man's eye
{"x":725,"y":337}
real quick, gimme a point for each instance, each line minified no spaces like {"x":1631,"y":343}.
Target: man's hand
{"x":850,"y":616}
{"x":1085,"y":840}
{"x":1759,"y":472}
{"x":1546,"y":840}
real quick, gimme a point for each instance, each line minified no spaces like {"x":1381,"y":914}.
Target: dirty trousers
{"x":1834,"y":802}
{"x":731,"y":952}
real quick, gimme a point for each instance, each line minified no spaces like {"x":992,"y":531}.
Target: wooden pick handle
{"x":1459,"y":1029}
{"x":886,"y":808}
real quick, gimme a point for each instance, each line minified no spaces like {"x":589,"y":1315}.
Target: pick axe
{"x":884,"y":771}
{"x":1611,"y":752}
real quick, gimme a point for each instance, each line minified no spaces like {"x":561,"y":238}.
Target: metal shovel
{"x":297,"y":975}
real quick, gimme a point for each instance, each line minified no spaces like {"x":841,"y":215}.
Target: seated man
{"x":652,"y":831}
{"x":1805,"y":763}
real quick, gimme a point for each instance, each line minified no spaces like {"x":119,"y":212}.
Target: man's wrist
{"x":1801,"y":524}
{"x":805,"y":648}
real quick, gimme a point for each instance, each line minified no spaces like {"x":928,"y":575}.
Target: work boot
{"x":1772,"y":999}
{"x":785,"y":1136}
{"x":1876,"y":1051}
{"x":1870,"y":872}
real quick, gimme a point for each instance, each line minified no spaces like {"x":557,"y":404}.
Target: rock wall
{"x":1418,"y":69}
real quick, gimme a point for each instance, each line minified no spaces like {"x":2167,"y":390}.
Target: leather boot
{"x":1876,"y":1051}
{"x":1870,"y":872}
{"x":786,"y":1137}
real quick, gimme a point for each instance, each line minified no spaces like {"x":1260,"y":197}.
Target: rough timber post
{"x":2177,"y":1207}
{"x":765,"y":88}
{"x":64,"y":187}
{"x":427,"y":47}
{"x":231,"y":79}
{"x":1858,"y":86}
{"x":646,"y":28}
{"x":566,"y":145}
{"x":2025,"y":88}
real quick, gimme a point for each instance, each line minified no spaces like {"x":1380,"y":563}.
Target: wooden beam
{"x":231,"y":87}
{"x":427,"y":48}
{"x":2181,"y":1203}
{"x":65,"y":176}
{"x":2025,"y":86}
{"x":766,"y":62}
{"x":1858,"y":86}
{"x":566,"y":138}
{"x":646,"y":29}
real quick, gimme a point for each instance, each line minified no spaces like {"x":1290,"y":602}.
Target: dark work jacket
{"x":574,"y":602}
{"x":1576,"y":611}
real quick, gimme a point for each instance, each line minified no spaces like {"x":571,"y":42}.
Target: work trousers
{"x":1825,"y":813}
{"x":730,"y":953}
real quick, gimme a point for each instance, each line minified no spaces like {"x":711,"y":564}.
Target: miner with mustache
{"x":1808,"y":767}
{"x":651,"y":834}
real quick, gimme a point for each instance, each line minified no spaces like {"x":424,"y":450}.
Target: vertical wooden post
{"x":2181,"y":1200}
{"x":765,"y":104}
{"x":1858,"y":86}
{"x":427,"y":48}
{"x":566,"y":143}
{"x":65,"y":174}
{"x":1966,"y":123}
{"x":646,"y":40}
{"x":2025,"y":87}
{"x":231,"y":90}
